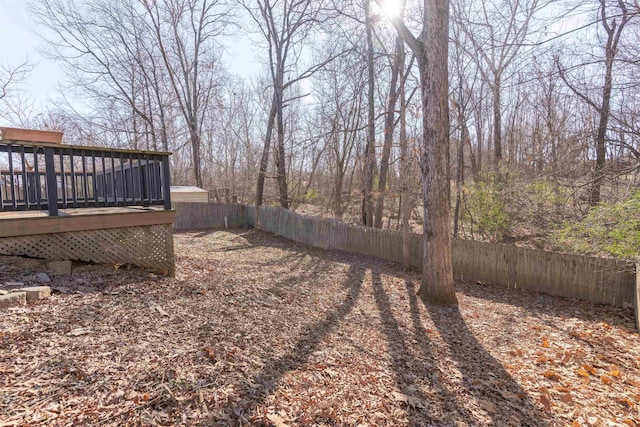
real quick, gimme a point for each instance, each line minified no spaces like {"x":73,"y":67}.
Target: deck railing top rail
{"x":48,"y":176}
{"x":82,"y":147}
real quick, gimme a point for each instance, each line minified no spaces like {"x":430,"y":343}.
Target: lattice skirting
{"x":148,"y":246}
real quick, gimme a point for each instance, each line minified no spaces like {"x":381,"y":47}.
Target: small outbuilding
{"x":189,"y":194}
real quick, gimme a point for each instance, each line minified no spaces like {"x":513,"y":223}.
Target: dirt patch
{"x":258,"y":330}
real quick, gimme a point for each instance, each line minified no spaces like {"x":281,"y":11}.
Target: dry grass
{"x":263,"y":331}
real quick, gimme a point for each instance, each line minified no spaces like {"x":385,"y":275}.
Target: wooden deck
{"x":27,"y":223}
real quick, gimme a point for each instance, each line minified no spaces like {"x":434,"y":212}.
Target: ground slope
{"x":257,"y":330}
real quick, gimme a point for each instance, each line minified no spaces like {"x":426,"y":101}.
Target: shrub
{"x":612,"y":229}
{"x":485,"y":208}
{"x":312,"y":197}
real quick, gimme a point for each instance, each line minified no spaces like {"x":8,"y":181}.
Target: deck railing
{"x":39,"y":176}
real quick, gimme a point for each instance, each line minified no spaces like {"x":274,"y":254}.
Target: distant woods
{"x":543,"y":97}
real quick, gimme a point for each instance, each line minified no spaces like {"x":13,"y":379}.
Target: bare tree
{"x":145,"y":60}
{"x":389,"y":126}
{"x":431,"y":49}
{"x":340,"y":90}
{"x":614,"y":16}
{"x":186,"y":32}
{"x":11,"y":76}
{"x":370,"y":148}
{"x":285,"y":26}
{"x":496,"y":32}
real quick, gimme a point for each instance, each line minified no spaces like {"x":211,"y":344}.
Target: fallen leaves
{"x":277,"y":420}
{"x":582,"y":372}
{"x":606,"y":379}
{"x":488,"y":406}
{"x":551,"y":375}
{"x":266,"y":332}
{"x":614,"y":371}
{"x":566,"y":398}
{"x":411,"y":401}
{"x":79,"y":332}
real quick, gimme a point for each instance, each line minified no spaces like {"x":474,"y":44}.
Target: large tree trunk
{"x":264,"y":161}
{"x":281,"y":161}
{"x":605,"y":111}
{"x":497,"y":123}
{"x":405,"y":207}
{"x":437,"y":273}
{"x":337,"y":205}
{"x":388,"y":131}
{"x":370,"y":150}
{"x":195,"y":150}
{"x":432,"y":53}
{"x":464,"y":138}
{"x":281,"y":167}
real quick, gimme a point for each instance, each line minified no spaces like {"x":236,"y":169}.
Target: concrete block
{"x":59,"y":267}
{"x":14,"y":284}
{"x":35,"y":293}
{"x":13,"y":299}
{"x":43,"y":278}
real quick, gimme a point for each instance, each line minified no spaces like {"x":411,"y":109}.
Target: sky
{"x":20,"y":42}
{"x":21,"y":39}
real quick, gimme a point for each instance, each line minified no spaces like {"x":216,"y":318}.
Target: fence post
{"x":166,"y":182}
{"x":52,"y":185}
{"x":636,"y":300}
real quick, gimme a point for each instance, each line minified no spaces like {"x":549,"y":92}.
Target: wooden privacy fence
{"x":600,"y":280}
{"x":194,"y":216}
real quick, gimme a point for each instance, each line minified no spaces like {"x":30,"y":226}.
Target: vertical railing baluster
{"x":73,"y":180}
{"x":2,"y":191}
{"x":104,"y":179}
{"x":11,"y":174}
{"x":63,"y":180}
{"x":85,"y":191}
{"x":132,"y":179}
{"x":5,"y":189}
{"x":52,"y":186}
{"x":36,"y":178}
{"x":157,"y":170}
{"x":114,"y":182}
{"x":94,"y":183}
{"x":152,"y":187}
{"x":148,"y":179}
{"x":141,"y":180}
{"x":25,"y":184}
{"x":166,"y":182}
{"x":124,"y":182}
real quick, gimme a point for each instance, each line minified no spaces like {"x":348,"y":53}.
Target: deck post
{"x":52,"y":185}
{"x":166,"y":182}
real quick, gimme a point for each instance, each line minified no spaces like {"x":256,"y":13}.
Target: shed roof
{"x":187,"y":189}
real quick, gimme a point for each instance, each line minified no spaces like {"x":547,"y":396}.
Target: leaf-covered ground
{"x":257,"y":330}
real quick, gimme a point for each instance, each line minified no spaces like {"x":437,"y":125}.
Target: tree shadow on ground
{"x":483,"y":376}
{"x":432,"y":396}
{"x":401,"y":357}
{"x":548,"y":306}
{"x":240,"y":410}
{"x":303,"y":263}
{"x":484,"y":379}
{"x":199,"y":233}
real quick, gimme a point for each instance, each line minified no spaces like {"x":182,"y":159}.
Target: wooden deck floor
{"x":79,"y":212}
{"x":27,"y":223}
